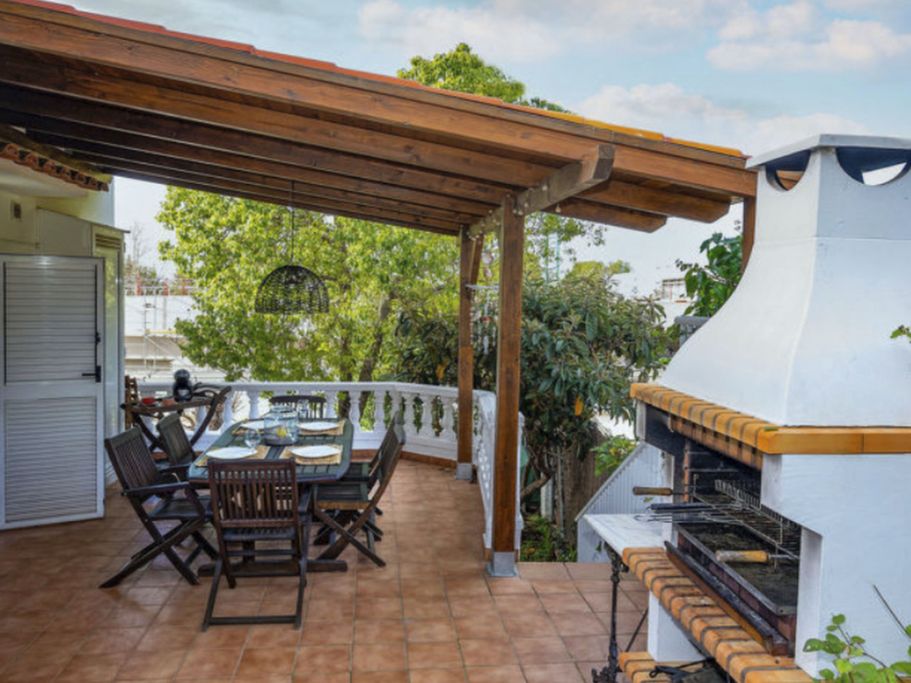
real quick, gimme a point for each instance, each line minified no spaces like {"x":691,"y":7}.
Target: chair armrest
{"x":157,"y":489}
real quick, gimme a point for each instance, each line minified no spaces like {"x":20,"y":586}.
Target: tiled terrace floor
{"x":430,"y":616}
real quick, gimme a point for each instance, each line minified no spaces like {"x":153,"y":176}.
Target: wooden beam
{"x":118,"y":158}
{"x":592,"y":169}
{"x":71,"y":132}
{"x":466,"y":358}
{"x":749,"y":230}
{"x":166,"y":57}
{"x":327,"y":207}
{"x":665,"y":202}
{"x":236,"y":141}
{"x":509,"y":348}
{"x":477,"y":254}
{"x":327,"y":77}
{"x":601,"y":213}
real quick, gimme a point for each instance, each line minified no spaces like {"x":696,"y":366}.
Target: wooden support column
{"x":506,"y":444}
{"x":464,"y":469}
{"x":749,"y":229}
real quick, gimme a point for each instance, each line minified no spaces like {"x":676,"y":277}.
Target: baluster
{"x":253,"y":398}
{"x":227,"y":415}
{"x":448,"y":422}
{"x":427,"y":415}
{"x":354,"y":412}
{"x":331,"y":398}
{"x":410,"y":429}
{"x":379,"y":411}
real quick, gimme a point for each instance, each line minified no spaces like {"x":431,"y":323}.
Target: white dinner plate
{"x":315,"y":451}
{"x":254,"y":424}
{"x":317,"y":426}
{"x":231,"y":453}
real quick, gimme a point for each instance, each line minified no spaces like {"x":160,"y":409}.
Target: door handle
{"x":96,"y":374}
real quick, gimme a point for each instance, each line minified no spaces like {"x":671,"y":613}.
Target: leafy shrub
{"x":853,"y":663}
{"x":611,"y":452}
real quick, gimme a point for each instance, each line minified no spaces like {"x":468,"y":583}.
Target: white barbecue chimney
{"x":805,"y":341}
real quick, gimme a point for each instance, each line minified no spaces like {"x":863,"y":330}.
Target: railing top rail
{"x":400,"y":387}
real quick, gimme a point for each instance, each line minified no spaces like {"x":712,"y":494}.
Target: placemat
{"x":261,"y":452}
{"x":328,"y":460}
{"x":338,"y":430}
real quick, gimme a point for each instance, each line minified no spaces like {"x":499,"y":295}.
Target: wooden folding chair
{"x":307,"y":405}
{"x":141,"y":481}
{"x":346,"y":508}
{"x":176,"y":445}
{"x":366,"y":470}
{"x":258,"y":502}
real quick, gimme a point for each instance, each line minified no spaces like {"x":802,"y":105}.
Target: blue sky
{"x":748,"y":74}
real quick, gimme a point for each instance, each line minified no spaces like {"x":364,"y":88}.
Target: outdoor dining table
{"x":307,"y":474}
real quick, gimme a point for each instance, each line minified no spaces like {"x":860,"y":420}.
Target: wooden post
{"x":464,"y":468}
{"x":749,"y":229}
{"x":506,"y":444}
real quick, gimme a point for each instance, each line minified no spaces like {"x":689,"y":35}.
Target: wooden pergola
{"x":139,"y":101}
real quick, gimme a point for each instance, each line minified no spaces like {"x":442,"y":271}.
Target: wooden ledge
{"x":638,"y":665}
{"x":731,"y":646}
{"x":723,"y":428}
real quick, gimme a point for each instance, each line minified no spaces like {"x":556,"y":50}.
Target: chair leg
{"x":213,"y":593}
{"x":160,"y":544}
{"x":345,"y":537}
{"x":204,"y":545}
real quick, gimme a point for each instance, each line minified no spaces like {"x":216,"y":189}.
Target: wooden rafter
{"x":591,"y":170}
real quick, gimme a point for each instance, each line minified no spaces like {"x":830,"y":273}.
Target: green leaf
{"x":838,"y":619}
{"x":827,"y":674}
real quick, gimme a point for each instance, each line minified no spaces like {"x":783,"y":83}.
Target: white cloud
{"x":667,"y":108}
{"x":797,"y":37}
{"x":536,"y":29}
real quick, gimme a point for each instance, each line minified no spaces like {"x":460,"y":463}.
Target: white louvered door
{"x":51,"y":405}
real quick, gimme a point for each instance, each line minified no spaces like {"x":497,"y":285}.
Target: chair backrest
{"x":130,"y":397}
{"x":309,"y":404}
{"x":174,"y":439}
{"x":389,"y":454}
{"x":131,"y":459}
{"x":254,"y":494}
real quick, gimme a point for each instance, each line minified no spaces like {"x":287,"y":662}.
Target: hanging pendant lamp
{"x":292,"y":288}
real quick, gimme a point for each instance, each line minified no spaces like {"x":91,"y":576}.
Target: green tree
{"x":228,"y":245}
{"x":710,"y":285}
{"x":462,"y":70}
{"x":583,"y":343}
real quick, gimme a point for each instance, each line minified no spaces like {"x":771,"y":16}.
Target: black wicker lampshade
{"x":292,"y":289}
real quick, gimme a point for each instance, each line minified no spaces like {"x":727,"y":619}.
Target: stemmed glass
{"x":252,"y":438}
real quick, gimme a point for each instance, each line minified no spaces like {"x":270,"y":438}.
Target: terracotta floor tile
{"x":92,"y":668}
{"x":561,"y":603}
{"x":273,"y":635}
{"x":379,"y":657}
{"x":202,"y":663}
{"x":266,"y":661}
{"x":149,"y":666}
{"x":540,"y":650}
{"x":379,"y":677}
{"x":482,"y":626}
{"x":588,"y":570}
{"x":430,"y":630}
{"x":425,"y":608}
{"x":517,"y":604}
{"x":487,"y":652}
{"x":585,"y":648}
{"x":379,"y":631}
{"x":329,"y":659}
{"x":509,"y":586}
{"x":495,"y":674}
{"x":572,"y":624}
{"x":433,"y":655}
{"x":327,"y":632}
{"x":535,"y":571}
{"x":221,"y":637}
{"x":471,"y":605}
{"x":166,"y":638}
{"x":593,"y":586}
{"x":553,"y":673}
{"x":378,"y":608}
{"x":529,"y":625}
{"x":317,"y":677}
{"x":330,"y":609}
{"x":111,"y":640}
{"x":438,"y":676}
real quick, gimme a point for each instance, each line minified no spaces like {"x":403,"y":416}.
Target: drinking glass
{"x":252,"y":438}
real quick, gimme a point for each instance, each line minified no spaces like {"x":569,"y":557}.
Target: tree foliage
{"x":852,"y":662}
{"x":462,"y":70}
{"x":583,"y":343}
{"x":712,"y":284}
{"x":228,"y":245}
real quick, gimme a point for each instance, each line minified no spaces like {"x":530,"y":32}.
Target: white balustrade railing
{"x":429,"y":413}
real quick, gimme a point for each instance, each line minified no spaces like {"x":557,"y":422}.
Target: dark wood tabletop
{"x":306,"y":474}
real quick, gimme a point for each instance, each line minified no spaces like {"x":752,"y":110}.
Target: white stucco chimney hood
{"x":805,"y":338}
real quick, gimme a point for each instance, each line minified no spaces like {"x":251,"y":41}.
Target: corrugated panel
{"x":645,"y":466}
{"x":50,"y":322}
{"x":50,"y":473}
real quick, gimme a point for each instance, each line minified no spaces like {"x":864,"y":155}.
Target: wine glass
{"x":252,"y":438}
